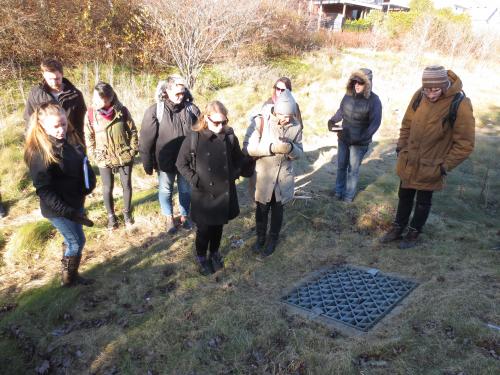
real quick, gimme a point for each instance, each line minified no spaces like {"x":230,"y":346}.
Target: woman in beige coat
{"x":279,"y":144}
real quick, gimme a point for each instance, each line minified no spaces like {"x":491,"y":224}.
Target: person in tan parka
{"x":429,"y":147}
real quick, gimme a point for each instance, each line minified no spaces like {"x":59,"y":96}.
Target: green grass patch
{"x":28,"y":243}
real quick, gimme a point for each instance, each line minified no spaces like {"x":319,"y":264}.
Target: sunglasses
{"x":217,"y":123}
{"x":359,"y":82}
{"x":432,"y":90}
{"x":279,"y":89}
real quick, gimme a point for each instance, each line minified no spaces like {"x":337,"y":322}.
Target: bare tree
{"x":193,"y":30}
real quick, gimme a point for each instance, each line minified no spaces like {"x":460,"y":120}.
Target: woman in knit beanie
{"x":276,"y":146}
{"x":431,"y":143}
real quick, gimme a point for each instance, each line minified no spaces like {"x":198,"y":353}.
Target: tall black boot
{"x":261,"y":229}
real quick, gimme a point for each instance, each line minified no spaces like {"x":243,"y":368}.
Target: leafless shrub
{"x":193,"y":31}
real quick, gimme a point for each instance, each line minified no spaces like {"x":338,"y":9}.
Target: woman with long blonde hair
{"x":62,"y":177}
{"x":210,"y":158}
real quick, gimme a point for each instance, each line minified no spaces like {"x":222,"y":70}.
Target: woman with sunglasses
{"x":62,"y":176}
{"x":210,"y":158}
{"x":279,"y":143}
{"x":258,"y":115}
{"x":361,"y":113}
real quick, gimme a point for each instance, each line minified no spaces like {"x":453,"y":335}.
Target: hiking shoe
{"x":393,"y":234}
{"x":204,"y":266}
{"x":112,"y":222}
{"x":186,"y":223}
{"x":170,"y":225}
{"x":129,"y":220}
{"x":410,"y":239}
{"x":217,"y":261}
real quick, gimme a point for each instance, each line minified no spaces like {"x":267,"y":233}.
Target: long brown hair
{"x":37,"y":140}
{"x":212,"y":107}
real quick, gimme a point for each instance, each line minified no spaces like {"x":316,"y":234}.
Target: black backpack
{"x":452,"y":113}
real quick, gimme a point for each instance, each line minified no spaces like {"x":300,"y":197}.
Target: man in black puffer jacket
{"x":361,"y":112}
{"x":164,"y":127}
{"x":58,"y":90}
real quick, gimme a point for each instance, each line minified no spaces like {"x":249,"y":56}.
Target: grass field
{"x":149,"y":311}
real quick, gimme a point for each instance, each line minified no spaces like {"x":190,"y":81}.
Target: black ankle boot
{"x":272,"y":242}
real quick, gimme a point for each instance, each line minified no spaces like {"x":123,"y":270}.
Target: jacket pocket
{"x":429,"y":171}
{"x":402,"y":167}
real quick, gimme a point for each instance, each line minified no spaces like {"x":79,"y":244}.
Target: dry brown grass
{"x":151,"y":311}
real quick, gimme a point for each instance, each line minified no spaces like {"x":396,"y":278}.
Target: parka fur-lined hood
{"x":365,"y":75}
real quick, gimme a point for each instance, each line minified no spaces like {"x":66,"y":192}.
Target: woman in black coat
{"x":62,"y":176}
{"x":210,"y":158}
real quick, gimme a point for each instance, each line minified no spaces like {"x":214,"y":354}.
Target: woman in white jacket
{"x":279,"y":144}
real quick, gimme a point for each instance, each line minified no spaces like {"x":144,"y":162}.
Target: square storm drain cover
{"x":352,"y":296}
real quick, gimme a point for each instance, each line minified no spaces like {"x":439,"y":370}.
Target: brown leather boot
{"x":68,"y":270}
{"x":410,"y":239}
{"x":393,"y":234}
{"x":78,"y":279}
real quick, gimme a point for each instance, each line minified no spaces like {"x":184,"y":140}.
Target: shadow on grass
{"x":150,"y":311}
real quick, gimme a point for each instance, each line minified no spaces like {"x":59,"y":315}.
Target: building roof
{"x":365,"y":4}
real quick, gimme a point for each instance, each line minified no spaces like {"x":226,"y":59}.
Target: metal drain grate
{"x":355,"y":297}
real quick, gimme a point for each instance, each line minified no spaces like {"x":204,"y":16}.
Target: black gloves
{"x":148,"y":169}
{"x":443,"y":170}
{"x":331,"y":125}
{"x":81,"y":219}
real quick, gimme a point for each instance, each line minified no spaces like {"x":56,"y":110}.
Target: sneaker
{"x":204,"y":266}
{"x":410,"y":239}
{"x":112,"y":222}
{"x":129,"y":220}
{"x":186,"y":223}
{"x":217,"y":261}
{"x":170,"y":225}
{"x":393,"y":234}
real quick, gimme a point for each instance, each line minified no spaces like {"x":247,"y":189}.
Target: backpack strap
{"x":417,"y":101}
{"x":193,"y":147}
{"x":90,"y":116}
{"x":455,"y":103}
{"x":261,"y":125}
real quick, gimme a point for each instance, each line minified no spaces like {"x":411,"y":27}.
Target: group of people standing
{"x":202,"y":153}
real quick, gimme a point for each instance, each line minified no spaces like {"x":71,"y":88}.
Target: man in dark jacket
{"x":164,"y":127}
{"x":56,"y":89}
{"x":361,"y":112}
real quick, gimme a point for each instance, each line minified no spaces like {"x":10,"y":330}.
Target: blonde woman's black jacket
{"x":61,"y":186}
{"x":218,"y":161}
{"x":71,"y":100}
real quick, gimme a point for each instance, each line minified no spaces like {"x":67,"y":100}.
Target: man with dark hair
{"x":436,"y":135}
{"x":164,"y":127}
{"x":56,"y":89}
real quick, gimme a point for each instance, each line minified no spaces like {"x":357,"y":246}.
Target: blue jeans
{"x":165,"y":191}
{"x":73,"y":235}
{"x":349,"y":159}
